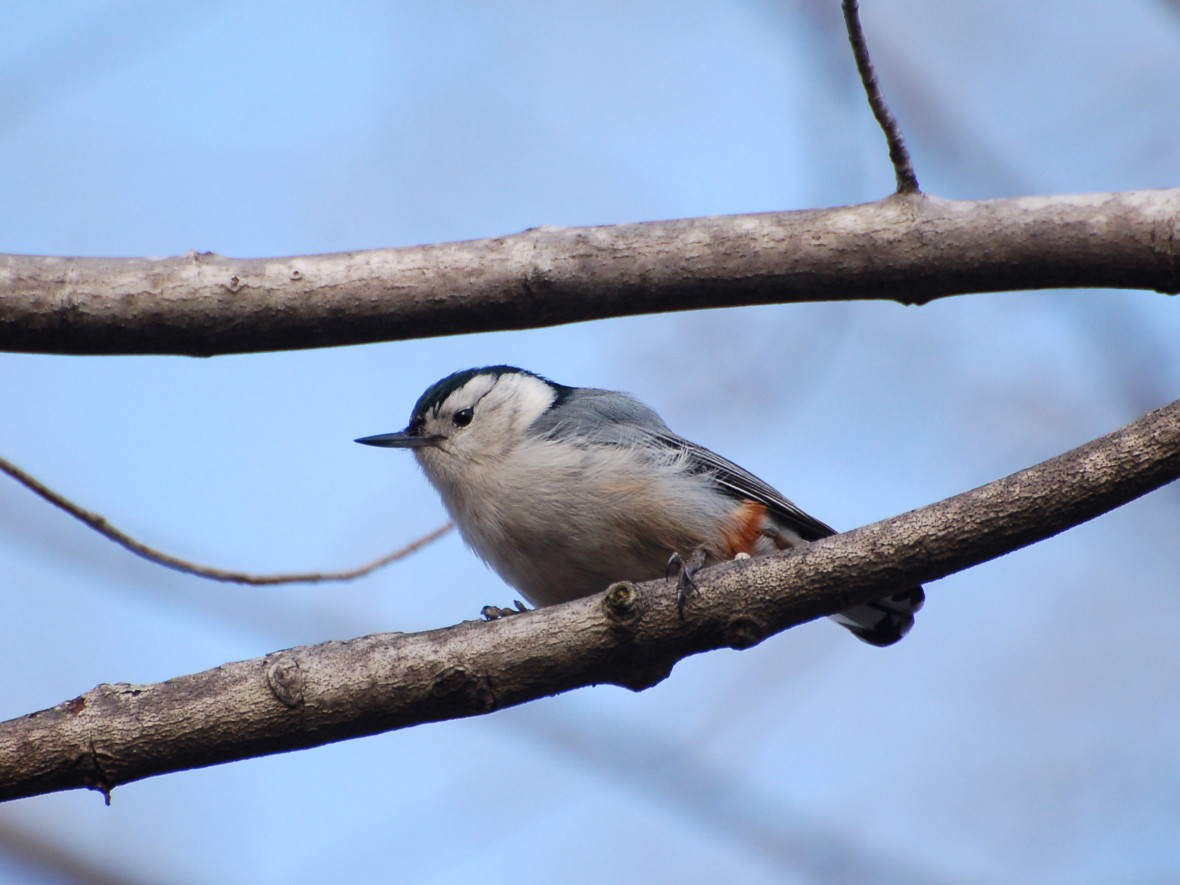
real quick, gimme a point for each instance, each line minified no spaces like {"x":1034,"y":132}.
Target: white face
{"x":480,"y":422}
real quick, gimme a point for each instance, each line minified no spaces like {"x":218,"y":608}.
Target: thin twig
{"x":899,"y":155}
{"x":100,"y":525}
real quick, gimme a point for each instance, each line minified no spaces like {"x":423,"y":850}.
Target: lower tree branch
{"x":910,"y":248}
{"x":630,"y":635}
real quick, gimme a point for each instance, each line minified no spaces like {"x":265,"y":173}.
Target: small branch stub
{"x":622,"y":605}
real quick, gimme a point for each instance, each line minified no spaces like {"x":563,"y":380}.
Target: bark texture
{"x":910,"y":248}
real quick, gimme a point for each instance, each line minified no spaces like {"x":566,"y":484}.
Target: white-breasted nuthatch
{"x":566,"y":490}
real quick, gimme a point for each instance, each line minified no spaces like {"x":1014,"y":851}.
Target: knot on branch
{"x":91,"y":771}
{"x":641,"y":678}
{"x":744,"y":632}
{"x":622,"y":606}
{"x":473,"y":689}
{"x":286,"y":681}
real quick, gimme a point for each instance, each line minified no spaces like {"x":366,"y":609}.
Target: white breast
{"x":559,"y":521}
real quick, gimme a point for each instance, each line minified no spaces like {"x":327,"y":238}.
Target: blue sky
{"x":1025,"y":731}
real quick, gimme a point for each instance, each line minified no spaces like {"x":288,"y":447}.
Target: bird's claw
{"x":494,"y":612}
{"x":686,"y":585}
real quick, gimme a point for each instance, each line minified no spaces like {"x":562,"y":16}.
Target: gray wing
{"x":606,"y":417}
{"x":603,"y":417}
{"x":882,"y":621}
{"x":741,"y":483}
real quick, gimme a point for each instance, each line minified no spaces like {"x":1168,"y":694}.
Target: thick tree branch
{"x":631,"y":636}
{"x":908,"y":248}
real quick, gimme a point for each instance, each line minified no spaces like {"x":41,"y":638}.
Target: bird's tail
{"x":885,"y":620}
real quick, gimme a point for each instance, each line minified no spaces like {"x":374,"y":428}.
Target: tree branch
{"x":908,"y":248}
{"x":108,"y":531}
{"x":630,"y":635}
{"x":899,"y":155}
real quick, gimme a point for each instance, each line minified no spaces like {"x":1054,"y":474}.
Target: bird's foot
{"x":494,"y":612}
{"x":686,"y":586}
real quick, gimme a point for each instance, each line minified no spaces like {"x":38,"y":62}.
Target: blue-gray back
{"x":606,"y":417}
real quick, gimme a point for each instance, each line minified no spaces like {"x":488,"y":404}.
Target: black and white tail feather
{"x":882,"y":621}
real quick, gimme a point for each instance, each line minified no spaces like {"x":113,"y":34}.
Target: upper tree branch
{"x":632,"y":636}
{"x":907,"y":248}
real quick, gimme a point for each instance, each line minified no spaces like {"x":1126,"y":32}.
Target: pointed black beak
{"x":403,"y":439}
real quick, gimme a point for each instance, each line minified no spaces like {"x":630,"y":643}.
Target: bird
{"x":564,"y":491}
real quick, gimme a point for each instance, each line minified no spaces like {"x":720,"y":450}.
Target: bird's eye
{"x":463,"y":417}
